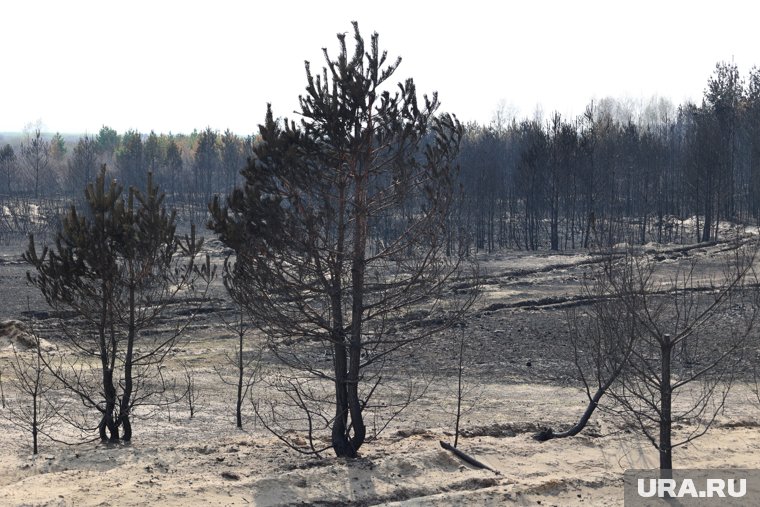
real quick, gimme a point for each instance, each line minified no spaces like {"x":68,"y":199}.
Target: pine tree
{"x":116,"y":266}
{"x":7,"y":166}
{"x":130,"y":160}
{"x":339,"y":232}
{"x":82,"y":163}
{"x":36,"y":155}
{"x":206,"y":164}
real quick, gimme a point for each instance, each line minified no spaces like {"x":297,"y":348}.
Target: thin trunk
{"x":555,"y":223}
{"x":126,"y":398}
{"x":572,"y":223}
{"x":697,"y":234}
{"x":34,"y":428}
{"x":107,"y":427}
{"x":34,"y":418}
{"x":239,"y":405}
{"x":36,"y":395}
{"x":708,"y":217}
{"x":549,"y":434}
{"x":665,"y":445}
{"x":717,"y":222}
{"x":459,"y":391}
{"x":659,"y":227}
{"x":644,"y":223}
{"x":590,"y":225}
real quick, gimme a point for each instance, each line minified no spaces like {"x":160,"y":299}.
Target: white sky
{"x":175,"y":66}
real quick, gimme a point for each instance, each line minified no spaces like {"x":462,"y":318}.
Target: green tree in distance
{"x":83,"y":163}
{"x":8,"y":166}
{"x":36,"y":155}
{"x":107,"y":141}
{"x":58,"y":147}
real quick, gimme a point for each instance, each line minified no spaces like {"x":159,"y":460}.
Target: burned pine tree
{"x":115,"y":268}
{"x":339,"y":233}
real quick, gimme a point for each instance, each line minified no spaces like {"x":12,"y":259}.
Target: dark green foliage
{"x":173,"y":165}
{"x":116,"y":265}
{"x":206,"y":164}
{"x":107,"y":141}
{"x":338,"y":231}
{"x":8,"y":166}
{"x":83,"y":163}
{"x":232,"y":158}
{"x":57,"y":147}
{"x":36,"y":155}
{"x":130,"y":160}
{"x":153,"y":153}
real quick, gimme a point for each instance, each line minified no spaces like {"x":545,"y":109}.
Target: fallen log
{"x":466,"y":457}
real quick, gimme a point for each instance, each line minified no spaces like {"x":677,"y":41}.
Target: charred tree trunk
{"x":590,"y":227}
{"x":341,"y":444}
{"x":357,"y":309}
{"x":126,"y":398}
{"x":555,"y":224}
{"x":111,"y":421}
{"x":241,"y":372}
{"x":665,"y":445}
{"x":108,"y":429}
{"x":466,"y":457}
{"x":549,"y":434}
{"x":707,"y":228}
{"x":341,"y":429}
{"x":34,"y":409}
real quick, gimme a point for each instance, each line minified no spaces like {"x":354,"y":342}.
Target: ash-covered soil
{"x":519,"y":376}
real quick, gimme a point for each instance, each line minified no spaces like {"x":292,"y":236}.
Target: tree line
{"x":616,"y":175}
{"x":190,"y":168}
{"x":612,"y":175}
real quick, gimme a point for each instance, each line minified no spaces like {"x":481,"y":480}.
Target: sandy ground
{"x":205,"y":461}
{"x":521,"y":379}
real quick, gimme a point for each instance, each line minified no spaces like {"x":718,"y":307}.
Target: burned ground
{"x":519,"y":377}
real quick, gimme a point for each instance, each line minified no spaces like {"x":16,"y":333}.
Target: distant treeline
{"x":614,"y":174}
{"x":190,"y":168}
